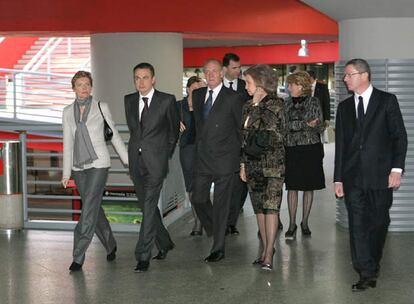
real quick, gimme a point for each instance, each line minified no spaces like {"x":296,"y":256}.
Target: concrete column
{"x":114,"y":55}
{"x":388,"y":46}
{"x":376,"y":38}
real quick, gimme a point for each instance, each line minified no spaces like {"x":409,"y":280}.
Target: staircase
{"x":41,"y":88}
{"x":66,"y":55}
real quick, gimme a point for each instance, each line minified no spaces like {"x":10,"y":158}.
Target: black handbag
{"x":257,"y":142}
{"x":107,"y":131}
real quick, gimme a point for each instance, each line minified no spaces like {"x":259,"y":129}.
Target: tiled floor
{"x":34,"y":267}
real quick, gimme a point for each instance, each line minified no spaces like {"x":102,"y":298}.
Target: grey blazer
{"x":95,"y":127}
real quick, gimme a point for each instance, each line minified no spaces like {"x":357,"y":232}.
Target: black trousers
{"x":152,"y":231}
{"x":237,"y":200}
{"x":369,"y":218}
{"x":213,"y":216}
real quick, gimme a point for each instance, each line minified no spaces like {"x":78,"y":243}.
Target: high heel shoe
{"x":259,"y":261}
{"x":269,"y":266}
{"x":196,"y":232}
{"x":305,"y":230}
{"x":291,"y":234}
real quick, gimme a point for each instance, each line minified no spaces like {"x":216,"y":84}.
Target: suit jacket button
{"x":360,"y":147}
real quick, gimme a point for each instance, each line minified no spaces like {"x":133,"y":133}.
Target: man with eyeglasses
{"x":370,"y":151}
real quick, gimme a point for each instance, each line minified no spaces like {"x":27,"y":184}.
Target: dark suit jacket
{"x":322,"y":93}
{"x":241,"y":89}
{"x":382,"y":146}
{"x":187,"y":118}
{"x":159,"y":135}
{"x":218,"y":139}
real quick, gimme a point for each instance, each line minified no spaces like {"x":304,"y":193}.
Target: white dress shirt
{"x":234,"y":83}
{"x":366,"y":95}
{"x":141,"y":102}
{"x":216,"y":91}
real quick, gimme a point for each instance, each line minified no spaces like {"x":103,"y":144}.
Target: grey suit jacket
{"x":95,"y":126}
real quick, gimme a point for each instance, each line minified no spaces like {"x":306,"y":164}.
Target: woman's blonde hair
{"x":303,"y":79}
{"x":81,"y":74}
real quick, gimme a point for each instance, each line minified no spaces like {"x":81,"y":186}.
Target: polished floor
{"x":34,"y":267}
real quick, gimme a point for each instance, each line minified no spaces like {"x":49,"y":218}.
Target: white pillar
{"x":376,"y":38}
{"x":114,"y":55}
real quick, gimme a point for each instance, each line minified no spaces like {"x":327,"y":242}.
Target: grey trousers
{"x":91,"y":183}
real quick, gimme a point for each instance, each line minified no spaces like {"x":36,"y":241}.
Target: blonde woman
{"x":87,"y":160}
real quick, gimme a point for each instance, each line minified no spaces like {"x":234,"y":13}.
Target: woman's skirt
{"x":304,"y":167}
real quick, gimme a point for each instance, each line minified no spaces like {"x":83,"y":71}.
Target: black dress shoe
{"x":110,"y":257}
{"x":162,"y":254}
{"x":291,"y":234}
{"x":232,"y":230}
{"x":258,"y":261}
{"x":364,"y":284}
{"x":305,"y":230}
{"x":75,"y":266}
{"x":142,"y":266}
{"x":196,"y":233}
{"x":215,"y":256}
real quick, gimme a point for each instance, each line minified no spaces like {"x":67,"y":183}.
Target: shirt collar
{"x":216,"y":91}
{"x":227,"y":82}
{"x":149,"y":95}
{"x":366,"y":95}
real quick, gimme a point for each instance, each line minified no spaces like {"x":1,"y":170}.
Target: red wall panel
{"x":270,"y":54}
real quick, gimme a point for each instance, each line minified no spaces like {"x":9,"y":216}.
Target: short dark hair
{"x":193,"y":79}
{"x":360,"y":65}
{"x":312,"y":74}
{"x":230,"y":56}
{"x":145,"y":65}
{"x":81,"y":74}
{"x":263,"y":76}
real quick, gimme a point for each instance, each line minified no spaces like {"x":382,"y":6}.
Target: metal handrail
{"x":36,"y":185}
{"x":39,"y":54}
{"x":34,"y":100}
{"x":33,"y":73}
{"x":49,"y":51}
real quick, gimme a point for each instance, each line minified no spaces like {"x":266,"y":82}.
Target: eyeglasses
{"x":349,"y":75}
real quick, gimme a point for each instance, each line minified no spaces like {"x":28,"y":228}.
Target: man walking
{"x":370,"y":151}
{"x":153,"y":123}
{"x":217,"y":114}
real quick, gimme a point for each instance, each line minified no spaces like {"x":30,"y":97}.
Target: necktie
{"x":231,"y":85}
{"x":144,"y":111}
{"x":208,"y":104}
{"x":361,"y":114}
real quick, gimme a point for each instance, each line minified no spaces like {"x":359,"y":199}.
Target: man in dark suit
{"x":153,"y":123}
{"x":321,"y":91}
{"x":370,"y":150}
{"x":231,"y":80}
{"x":217,"y":114}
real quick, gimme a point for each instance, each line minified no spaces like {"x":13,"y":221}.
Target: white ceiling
{"x":354,"y":9}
